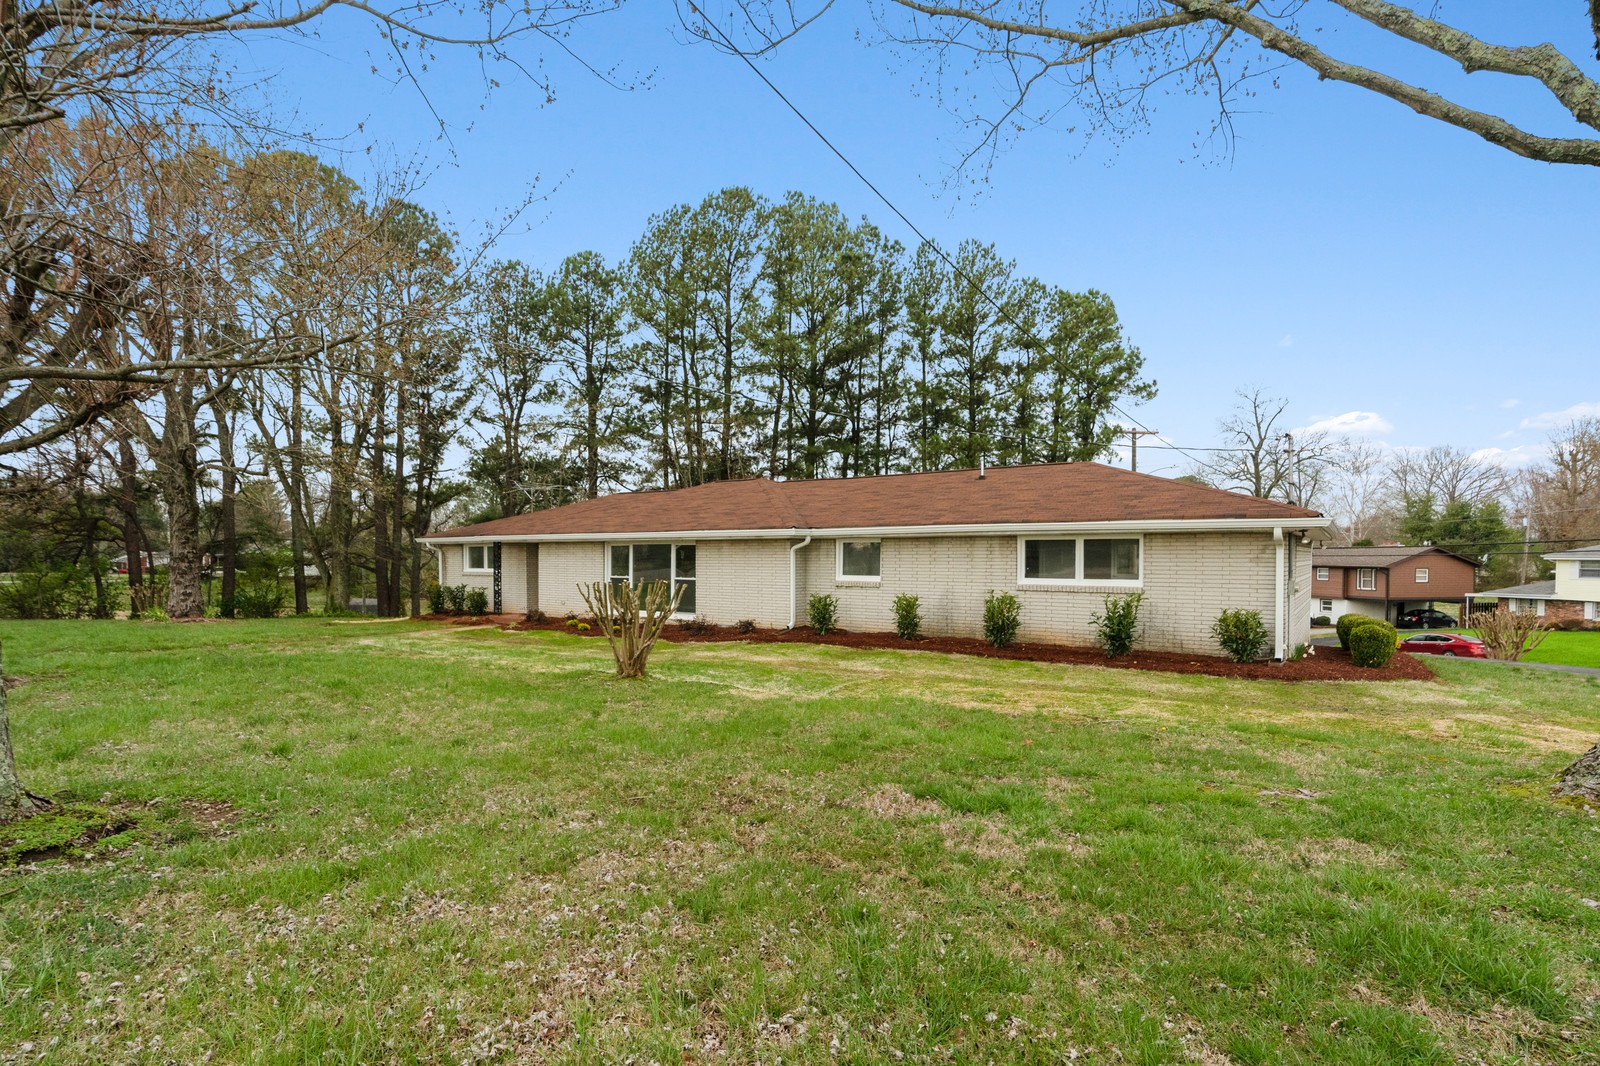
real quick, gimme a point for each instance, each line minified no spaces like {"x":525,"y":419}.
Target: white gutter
{"x":976,"y":529}
{"x":792,"y":550}
{"x":1280,"y":651}
{"x":439,"y":555}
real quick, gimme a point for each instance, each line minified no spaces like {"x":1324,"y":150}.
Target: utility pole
{"x":1290,"y":470}
{"x":1134,"y":435}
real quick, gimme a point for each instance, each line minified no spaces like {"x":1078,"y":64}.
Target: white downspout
{"x":1280,"y":650}
{"x":792,"y":590}
{"x":438,"y":554}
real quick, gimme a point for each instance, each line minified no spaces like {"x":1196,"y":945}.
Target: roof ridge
{"x":775,"y":491}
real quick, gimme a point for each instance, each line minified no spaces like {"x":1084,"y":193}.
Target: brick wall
{"x":513,"y":575}
{"x":562,"y":566}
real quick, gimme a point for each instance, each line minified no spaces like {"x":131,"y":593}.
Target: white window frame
{"x":843,"y":578}
{"x":1422,"y":575}
{"x":1322,"y":573}
{"x":1326,"y":606}
{"x":672,"y":552}
{"x":1369,"y":573}
{"x":1588,"y":562}
{"x":488,"y":559}
{"x":1026,"y":582}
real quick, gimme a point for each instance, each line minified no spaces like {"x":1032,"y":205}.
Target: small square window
{"x":477,"y":558}
{"x":1367,"y":579}
{"x":1327,"y":606}
{"x":1422,"y":575}
{"x":1322,"y":573}
{"x":860,"y":560}
{"x":1589,"y":567}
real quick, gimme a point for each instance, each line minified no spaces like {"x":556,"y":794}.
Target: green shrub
{"x":1321,"y":620}
{"x":58,"y":592}
{"x":1002,"y":617}
{"x":436,"y":599}
{"x":1242,"y":634}
{"x":823,"y":613}
{"x":1118,"y":628}
{"x":1346,"y":623}
{"x":908,"y":616}
{"x":455,"y":599}
{"x":477,"y":602}
{"x":1373,"y":644}
{"x":260,"y":597}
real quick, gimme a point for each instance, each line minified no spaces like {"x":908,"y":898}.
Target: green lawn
{"x":472,"y":846}
{"x":1570,"y":649}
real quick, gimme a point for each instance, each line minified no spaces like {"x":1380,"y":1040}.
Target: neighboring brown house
{"x":1060,"y":537}
{"x":1385,"y":581}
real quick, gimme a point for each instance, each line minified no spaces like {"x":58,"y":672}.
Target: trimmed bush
{"x":1321,"y":620}
{"x":435,"y":599}
{"x":1242,"y":634}
{"x":455,"y":598}
{"x":1117,"y":629}
{"x":698,"y":626}
{"x":477,"y":602}
{"x":1347,"y":622}
{"x":823,"y":613}
{"x":1372,"y":645}
{"x":1002,"y":617}
{"x":908,"y":616}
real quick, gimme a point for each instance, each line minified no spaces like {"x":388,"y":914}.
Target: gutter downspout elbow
{"x":793,"y":549}
{"x":1279,"y":545}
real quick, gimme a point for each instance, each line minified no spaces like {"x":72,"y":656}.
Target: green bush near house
{"x":822,"y":611}
{"x":436,"y":597}
{"x":1346,"y":623}
{"x":455,"y":598}
{"x":477,"y":602}
{"x":1242,"y":634}
{"x":1321,"y":620}
{"x":908,"y":616}
{"x":1373,"y":644}
{"x":1117,"y":629}
{"x":1002,"y":617}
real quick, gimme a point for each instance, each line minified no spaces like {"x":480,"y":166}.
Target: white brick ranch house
{"x":1060,"y":536}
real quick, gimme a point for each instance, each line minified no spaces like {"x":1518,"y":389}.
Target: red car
{"x":1444,"y":644}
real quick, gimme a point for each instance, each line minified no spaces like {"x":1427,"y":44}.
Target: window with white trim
{"x":859,"y":560}
{"x":1326,"y":606}
{"x":1079,"y":560}
{"x":1322,"y":573}
{"x":477,"y":559}
{"x":1366,"y":579}
{"x":640,"y":564}
{"x":1589,"y":567}
{"x":1422,"y":575}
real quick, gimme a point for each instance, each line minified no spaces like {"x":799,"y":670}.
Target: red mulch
{"x":1328,"y":664}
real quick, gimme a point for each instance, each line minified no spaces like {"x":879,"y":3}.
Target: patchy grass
{"x":467,"y":845}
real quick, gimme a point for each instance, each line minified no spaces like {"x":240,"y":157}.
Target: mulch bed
{"x":1328,"y":664}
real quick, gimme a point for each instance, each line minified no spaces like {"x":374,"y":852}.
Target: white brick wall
{"x":563,"y":565}
{"x":1189,"y":578}
{"x":741,"y":579}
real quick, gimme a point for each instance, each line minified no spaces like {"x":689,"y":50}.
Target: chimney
{"x":981,"y":474}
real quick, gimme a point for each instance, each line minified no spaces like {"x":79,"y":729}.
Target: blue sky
{"x":1369,"y":265}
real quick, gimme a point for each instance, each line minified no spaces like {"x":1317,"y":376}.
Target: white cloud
{"x":1508,"y":403}
{"x":1350,"y":424}
{"x":1287,"y":341}
{"x":1511,"y":458}
{"x":1556,"y":419}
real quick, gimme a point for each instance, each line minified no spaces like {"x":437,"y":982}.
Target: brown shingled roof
{"x":1377,"y":556}
{"x":1052,"y":493}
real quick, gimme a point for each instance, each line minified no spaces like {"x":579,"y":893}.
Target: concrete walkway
{"x":1560,"y":668}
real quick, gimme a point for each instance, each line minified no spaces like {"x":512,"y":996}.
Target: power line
{"x":901,"y":215}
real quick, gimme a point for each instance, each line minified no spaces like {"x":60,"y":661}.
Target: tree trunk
{"x":295,"y":493}
{"x":229,"y":510}
{"x":15,"y":801}
{"x":1581,"y":780}
{"x":178,"y":475}
{"x":128,"y":504}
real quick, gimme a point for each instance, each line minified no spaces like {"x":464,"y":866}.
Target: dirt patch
{"x":1328,"y":664}
{"x":892,"y":801}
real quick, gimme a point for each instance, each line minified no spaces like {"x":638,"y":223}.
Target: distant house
{"x":1061,"y":537}
{"x":1573,"y":595}
{"x":1385,"y":581}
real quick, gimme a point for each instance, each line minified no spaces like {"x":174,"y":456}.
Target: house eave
{"x":1301,"y":525}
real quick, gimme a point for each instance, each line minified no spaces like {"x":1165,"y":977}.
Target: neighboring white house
{"x":1061,"y":537}
{"x":1573,"y":595}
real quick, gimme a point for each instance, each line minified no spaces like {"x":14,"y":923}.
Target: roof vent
{"x":981,"y":474}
